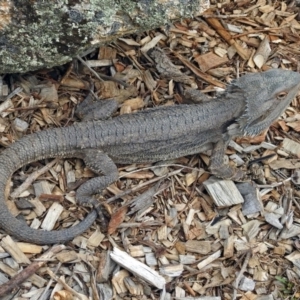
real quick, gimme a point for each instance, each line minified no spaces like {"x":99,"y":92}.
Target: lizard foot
{"x":95,"y":110}
{"x":228,"y":172}
{"x":239,"y":176}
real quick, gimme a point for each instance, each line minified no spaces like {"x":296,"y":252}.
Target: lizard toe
{"x":239,"y":176}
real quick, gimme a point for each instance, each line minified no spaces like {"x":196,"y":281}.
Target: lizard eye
{"x":281,"y":95}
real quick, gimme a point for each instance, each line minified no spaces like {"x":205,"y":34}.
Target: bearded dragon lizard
{"x":248,"y":106}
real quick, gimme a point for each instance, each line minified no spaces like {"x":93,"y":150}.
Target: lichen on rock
{"x":38,"y":34}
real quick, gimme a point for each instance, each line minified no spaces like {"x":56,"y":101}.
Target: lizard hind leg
{"x":99,"y":163}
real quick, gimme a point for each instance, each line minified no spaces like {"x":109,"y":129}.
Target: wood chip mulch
{"x":175,"y":231}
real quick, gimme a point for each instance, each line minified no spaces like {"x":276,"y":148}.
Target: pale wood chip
{"x":96,"y":238}
{"x":138,"y":268}
{"x":251,"y":229}
{"x":262,"y":53}
{"x":67,"y":256}
{"x":20,"y":125}
{"x":252,"y":202}
{"x":34,"y":294}
{"x":202,"y":247}
{"x":260,"y":275}
{"x":294,"y":257}
{"x":151,"y":259}
{"x":118,"y":281}
{"x":93,"y":63}
{"x":286,"y":163}
{"x":291,"y":146}
{"x":209,"y":260}
{"x":105,"y":291}
{"x":136,"y":251}
{"x":52,"y":216}
{"x":134,"y":103}
{"x":187,"y":259}
{"x":49,"y":93}
{"x":273,"y":219}
{"x":5,"y":106}
{"x":153,"y":42}
{"x":12,"y":248}
{"x":223,"y":192}
{"x":229,"y":246}
{"x":290,"y":232}
{"x":29,"y":248}
{"x":149,"y":81}
{"x":134,"y":288}
{"x":171,"y":270}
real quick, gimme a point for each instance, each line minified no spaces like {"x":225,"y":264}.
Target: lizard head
{"x":267,"y":95}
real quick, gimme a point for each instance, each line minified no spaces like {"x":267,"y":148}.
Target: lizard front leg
{"x":217,"y":165}
{"x":195,"y":96}
{"x":90,"y":109}
{"x":100,"y":163}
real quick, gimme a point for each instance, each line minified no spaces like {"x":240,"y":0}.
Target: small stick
{"x":208,"y":78}
{"x":136,"y":188}
{"x":239,"y":277}
{"x":262,"y":53}
{"x":216,"y":24}
{"x":102,"y":76}
{"x":13,"y":93}
{"x":67,"y":287}
{"x":28,"y":108}
{"x":31,"y":178}
{"x":42,"y":297}
{"x":30,"y":270}
{"x":258,"y":31}
{"x":224,"y":16}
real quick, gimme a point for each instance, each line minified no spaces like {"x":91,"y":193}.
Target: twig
{"x":223,"y":16}
{"x":30,"y":270}
{"x":102,"y":76}
{"x":13,"y":93}
{"x":275,"y":184}
{"x":216,"y":24}
{"x":136,"y":188}
{"x":258,"y":31}
{"x":239,"y":277}
{"x":67,"y":287}
{"x":161,"y":165}
{"x":32,"y":177}
{"x":46,"y":105}
{"x":94,"y":289}
{"x":42,"y":297}
{"x":208,"y":78}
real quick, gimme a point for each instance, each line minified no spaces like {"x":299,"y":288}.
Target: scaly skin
{"x":248,"y":106}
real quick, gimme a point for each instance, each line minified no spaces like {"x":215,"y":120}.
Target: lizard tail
{"x":18,"y":154}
